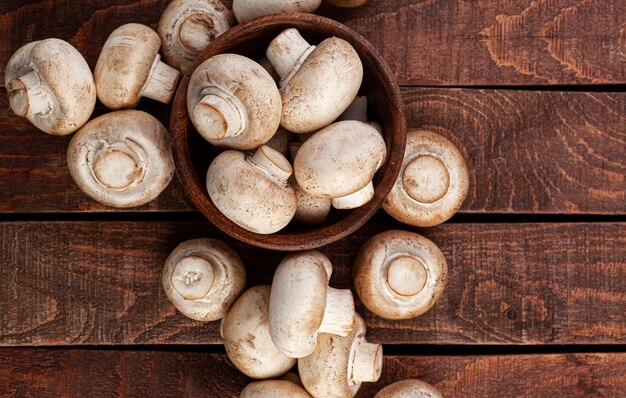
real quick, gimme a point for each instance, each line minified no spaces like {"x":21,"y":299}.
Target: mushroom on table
{"x":246,"y":10}
{"x":273,"y":389}
{"x":339,"y":365}
{"x":186,"y":27}
{"x":432,"y":183}
{"x":202,"y":278}
{"x":247,"y":340}
{"x":302,"y":305}
{"x":409,"y":389}
{"x":129,"y":67}
{"x":399,"y":274}
{"x":49,"y":83}
{"x":122,"y":158}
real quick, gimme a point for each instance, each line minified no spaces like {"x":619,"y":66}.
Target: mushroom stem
{"x":272,"y":162}
{"x":219,"y":114}
{"x":161,"y":82}
{"x":193,"y":277}
{"x":287,"y":52}
{"x":339,"y":314}
{"x":367,"y":363}
{"x":28,"y":96}
{"x":196,"y":31}
{"x":357,"y":199}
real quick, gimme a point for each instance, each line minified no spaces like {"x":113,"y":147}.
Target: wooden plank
{"x":529,"y":152}
{"x":78,"y":373}
{"x":446,"y":42}
{"x":74,"y":283}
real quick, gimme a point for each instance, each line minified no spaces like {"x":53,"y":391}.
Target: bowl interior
{"x":193,"y":154}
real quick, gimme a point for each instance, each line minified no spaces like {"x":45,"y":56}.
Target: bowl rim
{"x":324,"y":234}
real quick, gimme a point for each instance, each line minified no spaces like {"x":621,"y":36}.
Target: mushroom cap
{"x":347,"y":3}
{"x":250,"y":196}
{"x":66,"y":80}
{"x":298,"y":301}
{"x":247,"y":340}
{"x":186,"y":27}
{"x":124,"y":65}
{"x":339,"y":159}
{"x":246,"y":10}
{"x":323,"y":87}
{"x":409,"y":389}
{"x":203,"y":277}
{"x":251,"y":85}
{"x":432,"y":183}
{"x":327,"y":371}
{"x":122,"y":158}
{"x":273,"y":389}
{"x":399,"y":274}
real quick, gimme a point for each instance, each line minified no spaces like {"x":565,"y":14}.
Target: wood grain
{"x":528,"y":151}
{"x":74,"y":283}
{"x":46,"y":373}
{"x":445,"y":42}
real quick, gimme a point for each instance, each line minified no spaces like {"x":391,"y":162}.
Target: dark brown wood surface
{"x":528,"y":152}
{"x":44,"y":373}
{"x":73,"y":283}
{"x":443,"y":42}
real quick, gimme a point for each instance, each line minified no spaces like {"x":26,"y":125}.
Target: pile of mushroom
{"x":235,"y":103}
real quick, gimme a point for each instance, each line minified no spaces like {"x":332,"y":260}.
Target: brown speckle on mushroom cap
{"x":409,"y":389}
{"x":273,"y":389}
{"x":233,"y":102}
{"x":49,"y":83}
{"x":340,"y":159}
{"x":316,"y":92}
{"x":302,"y":305}
{"x":339,"y":365}
{"x":246,"y":10}
{"x":432,"y":183}
{"x":253,"y":192}
{"x":129,"y":67}
{"x":247,"y":340}
{"x":202,"y":278}
{"x":121,"y":159}
{"x":399,"y":274}
{"x":186,"y":27}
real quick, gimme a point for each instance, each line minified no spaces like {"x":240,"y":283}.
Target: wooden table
{"x":533,"y":94}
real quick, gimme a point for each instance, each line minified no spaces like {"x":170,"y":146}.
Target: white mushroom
{"x":339,"y":162}
{"x":253,"y":192}
{"x":203,"y":277}
{"x":49,"y":83}
{"x":358,"y":111}
{"x":409,"y":389}
{"x":432,"y":183}
{"x":318,"y":83}
{"x":339,"y":365}
{"x":310,"y":210}
{"x":247,"y":340}
{"x":233,"y":102}
{"x":246,"y":10}
{"x":347,"y":3}
{"x":273,"y":389}
{"x":399,"y":274}
{"x":186,"y":27}
{"x":130,"y":67}
{"x":121,"y":159}
{"x":302,"y":305}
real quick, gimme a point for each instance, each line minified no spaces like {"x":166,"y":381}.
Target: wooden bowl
{"x":193,"y":154}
